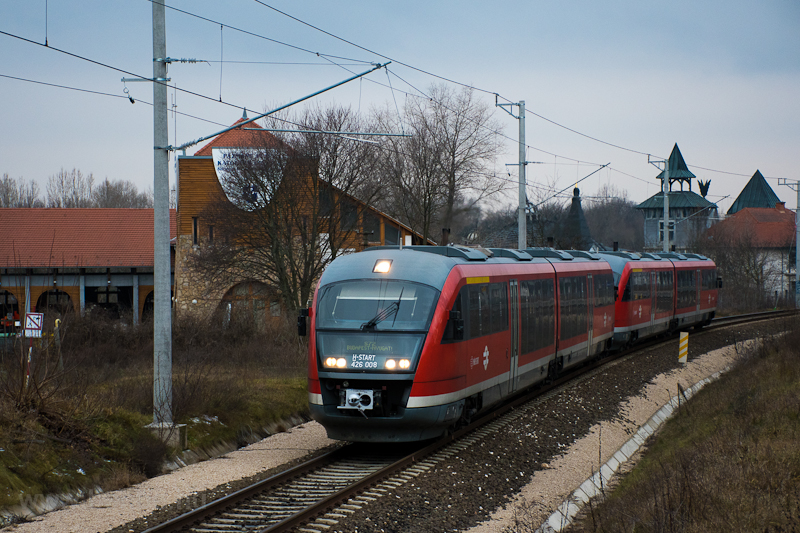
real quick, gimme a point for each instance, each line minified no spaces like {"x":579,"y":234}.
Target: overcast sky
{"x":719,"y":78}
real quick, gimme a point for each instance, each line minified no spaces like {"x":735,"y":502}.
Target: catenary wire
{"x":572,"y":130}
{"x":259,"y":36}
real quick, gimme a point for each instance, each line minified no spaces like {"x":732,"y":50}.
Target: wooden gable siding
{"x":198,"y":188}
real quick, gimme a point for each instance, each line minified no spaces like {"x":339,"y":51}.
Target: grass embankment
{"x":80,"y":421}
{"x":729,"y":460}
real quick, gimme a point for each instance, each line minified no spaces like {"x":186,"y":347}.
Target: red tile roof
{"x":69,"y":238}
{"x":767,"y":228}
{"x":240,"y":138}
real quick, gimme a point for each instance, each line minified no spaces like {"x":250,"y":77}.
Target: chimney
{"x":780,"y":206}
{"x":445,"y":236}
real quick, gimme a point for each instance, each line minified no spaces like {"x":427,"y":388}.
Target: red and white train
{"x":407,"y":343}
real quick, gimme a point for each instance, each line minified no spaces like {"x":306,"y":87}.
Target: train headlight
{"x":382,"y":266}
{"x":341,"y":362}
{"x":402,"y":364}
{"x":330,"y":362}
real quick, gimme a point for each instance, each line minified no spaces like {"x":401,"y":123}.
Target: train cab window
{"x":709,"y":279}
{"x":377,"y":305}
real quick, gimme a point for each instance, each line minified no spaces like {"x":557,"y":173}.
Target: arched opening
{"x":250,"y":301}
{"x":9,"y":313}
{"x":54,"y":300}
{"x":148,"y":308}
{"x":109,"y":301}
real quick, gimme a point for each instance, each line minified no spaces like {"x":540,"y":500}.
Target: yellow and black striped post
{"x":683,"y":350}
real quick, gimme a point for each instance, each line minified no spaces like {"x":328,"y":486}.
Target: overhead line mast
{"x":522,"y":239}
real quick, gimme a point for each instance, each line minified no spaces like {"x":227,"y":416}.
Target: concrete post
{"x":523,"y":229}
{"x":162,"y":323}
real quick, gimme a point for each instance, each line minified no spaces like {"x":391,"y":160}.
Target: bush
{"x":82,"y":416}
{"x":728,"y":464}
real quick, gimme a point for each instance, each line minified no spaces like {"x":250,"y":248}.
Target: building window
{"x":211,"y":235}
{"x":194,"y":231}
{"x":661,"y":230}
{"x":391,"y":233}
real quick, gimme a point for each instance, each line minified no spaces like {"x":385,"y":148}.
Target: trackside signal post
{"x":796,"y":186}
{"x":683,"y":347}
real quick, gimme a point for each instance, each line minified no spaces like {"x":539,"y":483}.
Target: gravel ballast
{"x":523,"y":472}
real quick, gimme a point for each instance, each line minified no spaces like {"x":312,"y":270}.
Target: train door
{"x":514,"y":313}
{"x":589,"y":313}
{"x":653,"y":296}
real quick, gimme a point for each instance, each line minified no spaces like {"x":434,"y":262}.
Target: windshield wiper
{"x":384,"y":314}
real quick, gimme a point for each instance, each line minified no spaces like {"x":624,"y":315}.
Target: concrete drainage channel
{"x":596,"y":485}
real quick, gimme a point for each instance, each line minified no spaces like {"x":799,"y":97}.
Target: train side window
{"x":581,"y":305}
{"x":525,"y":314}
{"x":499,"y":303}
{"x":538,"y":316}
{"x":488,"y":309}
{"x":477,"y":307}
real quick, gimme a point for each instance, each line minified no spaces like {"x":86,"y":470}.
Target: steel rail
{"x":330,"y":502}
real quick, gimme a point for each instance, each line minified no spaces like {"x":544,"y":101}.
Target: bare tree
{"x":748,"y":270}
{"x":120,"y":193}
{"x":290,"y":206}
{"x":612,"y":217}
{"x":15,"y":193}
{"x":446,"y":167}
{"x":9,"y":194}
{"x":70,"y":189}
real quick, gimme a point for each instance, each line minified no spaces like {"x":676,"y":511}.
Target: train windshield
{"x":376,"y":305}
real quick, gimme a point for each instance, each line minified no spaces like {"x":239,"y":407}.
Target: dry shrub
{"x":728,"y":464}
{"x":120,"y":476}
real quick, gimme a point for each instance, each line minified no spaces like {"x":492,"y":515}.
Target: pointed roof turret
{"x":678,"y":171}
{"x":575,"y":233}
{"x":757,"y":193}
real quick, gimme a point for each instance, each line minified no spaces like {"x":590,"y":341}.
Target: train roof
{"x":434,"y":267}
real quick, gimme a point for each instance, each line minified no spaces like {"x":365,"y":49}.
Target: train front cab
{"x":371,"y":333}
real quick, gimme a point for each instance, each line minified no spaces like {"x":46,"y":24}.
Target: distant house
{"x":689,"y":213}
{"x":765,"y":237}
{"x":199,"y":187}
{"x":60,"y":261}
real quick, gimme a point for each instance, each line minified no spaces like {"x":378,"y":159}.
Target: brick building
{"x":199,"y":187}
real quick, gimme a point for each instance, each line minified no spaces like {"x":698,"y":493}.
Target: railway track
{"x":316,"y":495}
